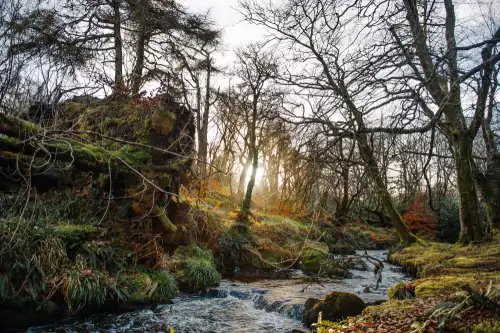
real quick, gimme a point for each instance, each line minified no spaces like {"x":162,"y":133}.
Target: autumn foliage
{"x":420,"y":219}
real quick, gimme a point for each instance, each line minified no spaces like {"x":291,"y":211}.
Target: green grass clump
{"x":196,"y":269}
{"x":86,"y":287}
{"x":159,"y":286}
{"x":164,"y":286}
{"x":199,"y":274}
{"x":325,"y":325}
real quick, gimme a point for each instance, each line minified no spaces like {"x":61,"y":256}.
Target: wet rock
{"x":335,"y":306}
{"x":296,"y":331}
{"x":218,"y":293}
{"x":239,"y":294}
{"x":354,"y":263}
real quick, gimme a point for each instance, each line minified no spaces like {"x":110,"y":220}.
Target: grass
{"x":199,"y":275}
{"x":196,"y":271}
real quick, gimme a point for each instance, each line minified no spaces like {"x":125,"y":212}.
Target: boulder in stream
{"x":335,"y":306}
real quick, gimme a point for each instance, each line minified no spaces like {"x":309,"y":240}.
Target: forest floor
{"x":457,"y":289}
{"x":281,"y":236}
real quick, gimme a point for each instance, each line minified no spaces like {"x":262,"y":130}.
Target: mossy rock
{"x":317,"y":262}
{"x":334,"y":307}
{"x":401,"y":291}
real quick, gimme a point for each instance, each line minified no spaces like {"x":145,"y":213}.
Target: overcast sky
{"x":224,"y":13}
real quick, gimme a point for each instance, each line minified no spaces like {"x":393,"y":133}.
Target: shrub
{"x":448,"y":222}
{"x":420,"y":219}
{"x":234,"y":249}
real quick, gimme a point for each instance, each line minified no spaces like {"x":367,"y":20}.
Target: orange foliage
{"x":420,"y":219}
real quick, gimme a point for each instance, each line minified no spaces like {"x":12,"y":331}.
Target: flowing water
{"x":269,"y":305}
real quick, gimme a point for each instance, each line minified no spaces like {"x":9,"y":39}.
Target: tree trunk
{"x":203,"y":131}
{"x":488,"y":184}
{"x":243,"y":177}
{"x":245,"y":207}
{"x":118,"y":47}
{"x":342,"y":210}
{"x":405,"y":235}
{"x":469,"y":206}
{"x":139,"y":54}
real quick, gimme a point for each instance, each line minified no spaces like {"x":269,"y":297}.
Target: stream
{"x":264,"y":306}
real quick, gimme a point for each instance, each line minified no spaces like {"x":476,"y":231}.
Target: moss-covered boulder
{"x":317,"y":263}
{"x":335,"y":306}
{"x":401,"y":291}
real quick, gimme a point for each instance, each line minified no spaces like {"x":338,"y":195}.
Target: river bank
{"x":456,"y":289}
{"x":268,"y":305}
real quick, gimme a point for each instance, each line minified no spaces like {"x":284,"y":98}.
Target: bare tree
{"x":313,"y":34}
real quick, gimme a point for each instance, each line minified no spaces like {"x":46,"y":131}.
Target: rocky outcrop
{"x":334,"y":307}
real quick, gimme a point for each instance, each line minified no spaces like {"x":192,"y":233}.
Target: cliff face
{"x":89,"y":199}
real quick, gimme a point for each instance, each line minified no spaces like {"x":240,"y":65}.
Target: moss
{"x":76,"y":231}
{"x":317,"y":262}
{"x":486,"y":326}
{"x":401,"y":291}
{"x":445,"y":269}
{"x":134,"y":153}
{"x":163,"y":123}
{"x":168,"y":226}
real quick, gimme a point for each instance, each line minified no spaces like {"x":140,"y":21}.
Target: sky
{"x":226,"y":16}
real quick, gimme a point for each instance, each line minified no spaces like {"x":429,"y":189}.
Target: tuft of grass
{"x":199,"y":274}
{"x":159,"y":286}
{"x":83,"y":288}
